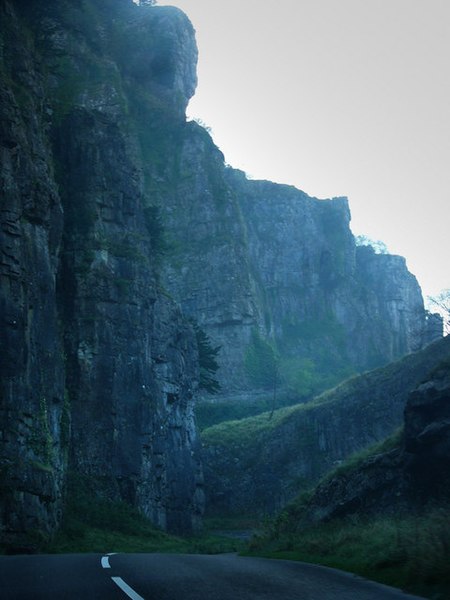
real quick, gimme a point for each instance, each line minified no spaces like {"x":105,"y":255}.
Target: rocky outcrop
{"x":257,"y":465}
{"x":324,"y":295}
{"x":427,"y":437}
{"x":99,"y":368}
{"x":409,"y":477}
{"x":33,"y":414}
{"x":286,"y":266}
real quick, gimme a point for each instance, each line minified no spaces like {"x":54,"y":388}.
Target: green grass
{"x":232,"y":523}
{"x":251,"y":430}
{"x":412,"y":552}
{"x":93,"y":524}
{"x":292,"y":513}
{"x":246,"y":431}
{"x":209,"y":414}
{"x":354,"y":461}
{"x":77,"y":537}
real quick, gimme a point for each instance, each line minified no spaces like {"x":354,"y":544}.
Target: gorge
{"x":120,"y":223}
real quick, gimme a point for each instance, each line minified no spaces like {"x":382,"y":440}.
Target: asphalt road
{"x":178,"y":577}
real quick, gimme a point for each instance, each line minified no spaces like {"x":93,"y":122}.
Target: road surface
{"x":178,"y":577}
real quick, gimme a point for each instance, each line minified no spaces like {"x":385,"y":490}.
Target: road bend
{"x":179,"y":577}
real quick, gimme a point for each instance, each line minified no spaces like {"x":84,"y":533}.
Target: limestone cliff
{"x":34,"y":417}
{"x":254,"y":256}
{"x":98,"y":368}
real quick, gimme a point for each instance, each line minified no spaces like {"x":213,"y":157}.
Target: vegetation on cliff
{"x":120,"y":221}
{"x":92,"y":523}
{"x":266,"y":462}
{"x":207,"y":358}
{"x":409,"y":552}
{"x":384,"y":513}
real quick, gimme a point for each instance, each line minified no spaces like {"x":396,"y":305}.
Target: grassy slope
{"x":412,"y":553}
{"x":250,"y":430}
{"x":122,"y":529}
{"x":409,"y":552}
{"x":95,"y":525}
{"x":209,"y":413}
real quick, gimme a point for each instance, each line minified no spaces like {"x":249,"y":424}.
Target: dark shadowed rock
{"x":99,"y":366}
{"x":33,"y":416}
{"x":427,"y":435}
{"x":410,"y":476}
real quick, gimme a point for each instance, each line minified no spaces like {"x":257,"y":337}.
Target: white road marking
{"x":126,"y":588}
{"x":105,"y":562}
{"x":111,"y":553}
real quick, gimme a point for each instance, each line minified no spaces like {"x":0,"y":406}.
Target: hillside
{"x":257,"y":465}
{"x":405,"y":478}
{"x":122,"y":232}
{"x":385,"y":512}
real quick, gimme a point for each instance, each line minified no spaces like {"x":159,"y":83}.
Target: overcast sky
{"x":338,"y":97}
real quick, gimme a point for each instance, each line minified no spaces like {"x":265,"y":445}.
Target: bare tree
{"x":441,"y":303}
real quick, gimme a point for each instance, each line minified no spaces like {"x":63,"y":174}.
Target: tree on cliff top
{"x":379,"y":246}
{"x":441,"y":302}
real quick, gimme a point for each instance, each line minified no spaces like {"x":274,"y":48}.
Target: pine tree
{"x":207,"y":357}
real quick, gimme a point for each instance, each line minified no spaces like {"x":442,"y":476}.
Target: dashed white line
{"x":126,"y":588}
{"x":105,"y":562}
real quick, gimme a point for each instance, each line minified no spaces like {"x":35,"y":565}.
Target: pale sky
{"x":338,"y":97}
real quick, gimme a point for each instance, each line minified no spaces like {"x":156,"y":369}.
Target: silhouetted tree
{"x":442,"y":303}
{"x":379,"y":246}
{"x":207,"y":358}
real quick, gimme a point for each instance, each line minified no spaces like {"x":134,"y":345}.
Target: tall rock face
{"x":33,"y":414}
{"x":210,"y":271}
{"x":323,"y":297}
{"x":99,"y":368}
{"x":259,"y":259}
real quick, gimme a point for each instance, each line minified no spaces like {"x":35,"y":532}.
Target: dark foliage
{"x":207,"y":356}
